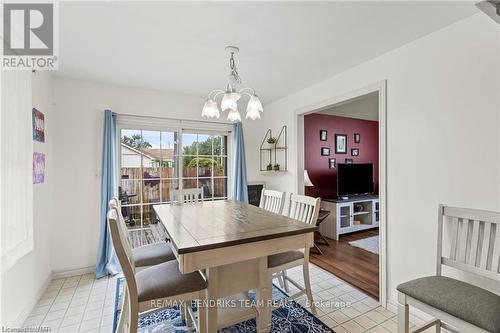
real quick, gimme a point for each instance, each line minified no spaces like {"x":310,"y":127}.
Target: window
{"x":17,"y":168}
{"x":204,"y":164}
{"x":154,"y":162}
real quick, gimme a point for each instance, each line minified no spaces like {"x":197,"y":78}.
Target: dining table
{"x":230,"y":241}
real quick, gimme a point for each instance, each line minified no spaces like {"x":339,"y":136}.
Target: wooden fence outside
{"x":157,"y":184}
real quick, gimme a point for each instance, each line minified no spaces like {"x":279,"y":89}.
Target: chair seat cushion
{"x":284,"y":258}
{"x":152,"y":254}
{"x":165,"y":280}
{"x":462,"y":300}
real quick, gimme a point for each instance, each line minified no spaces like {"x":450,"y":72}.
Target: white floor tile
{"x":84,"y":304}
{"x":52,"y":315}
{"x":89,"y":325}
{"x":365,"y":321}
{"x":353,"y":327}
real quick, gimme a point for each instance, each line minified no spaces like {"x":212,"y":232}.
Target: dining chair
{"x":156,"y":287}
{"x":272,"y":201}
{"x":145,"y":255}
{"x":191,"y":195}
{"x":304,"y":209}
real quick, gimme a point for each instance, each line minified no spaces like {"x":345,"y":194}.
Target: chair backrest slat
{"x":114,"y":202}
{"x":272,"y":201}
{"x":303,"y":208}
{"x":187,"y":196}
{"x":472,"y":259}
{"x":454,"y":238}
{"x":474,"y":240}
{"x":462,"y":239}
{"x":122,"y":250}
{"x":485,"y":249}
{"x":495,"y":265}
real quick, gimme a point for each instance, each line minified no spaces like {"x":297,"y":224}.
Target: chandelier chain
{"x":234,"y":70}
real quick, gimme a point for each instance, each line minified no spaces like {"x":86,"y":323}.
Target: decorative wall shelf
{"x":274,"y":153}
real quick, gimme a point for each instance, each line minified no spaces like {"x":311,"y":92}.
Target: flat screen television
{"x":354,"y":179}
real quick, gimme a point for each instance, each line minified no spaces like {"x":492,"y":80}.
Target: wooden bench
{"x":456,"y":305}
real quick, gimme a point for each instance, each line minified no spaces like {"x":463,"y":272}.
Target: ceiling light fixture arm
{"x":215,"y":93}
{"x":243,"y":91}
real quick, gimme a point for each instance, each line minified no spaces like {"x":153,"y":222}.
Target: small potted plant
{"x":272,"y":141}
{"x":276,"y":167}
{"x":269,"y":167}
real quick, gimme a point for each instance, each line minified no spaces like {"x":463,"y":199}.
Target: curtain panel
{"x":240,"y":189}
{"x":107,"y":262}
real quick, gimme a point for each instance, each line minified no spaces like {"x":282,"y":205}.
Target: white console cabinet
{"x":350,"y":215}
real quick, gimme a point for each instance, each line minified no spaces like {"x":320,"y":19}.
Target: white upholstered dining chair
{"x":191,"y":195}
{"x":272,"y":201}
{"x":304,"y":209}
{"x":145,"y":255}
{"x":156,"y":287}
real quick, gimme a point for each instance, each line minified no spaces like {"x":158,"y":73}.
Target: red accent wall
{"x":323,"y":178}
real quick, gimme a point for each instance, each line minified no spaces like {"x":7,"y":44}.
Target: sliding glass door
{"x":154,"y":162}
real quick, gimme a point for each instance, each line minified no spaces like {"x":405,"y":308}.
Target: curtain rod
{"x":174,"y":119}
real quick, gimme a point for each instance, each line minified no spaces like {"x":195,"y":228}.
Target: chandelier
{"x":231,"y":96}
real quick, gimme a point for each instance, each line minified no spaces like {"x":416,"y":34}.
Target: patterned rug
{"x":289,"y":318}
{"x":369,"y":244}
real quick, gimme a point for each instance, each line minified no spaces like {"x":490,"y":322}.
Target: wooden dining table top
{"x":216,"y":224}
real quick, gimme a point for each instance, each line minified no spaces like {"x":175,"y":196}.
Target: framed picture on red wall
{"x":340,"y":144}
{"x":331,"y":163}
{"x":354,"y":151}
{"x":357,"y":138}
{"x":325,"y":151}
{"x":323,"y":135}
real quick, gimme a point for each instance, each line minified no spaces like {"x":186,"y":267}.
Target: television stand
{"x":353,"y":214}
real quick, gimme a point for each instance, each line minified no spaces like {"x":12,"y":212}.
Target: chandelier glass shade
{"x":230,"y":101}
{"x":231,"y":97}
{"x":210,"y":109}
{"x":234,"y":115}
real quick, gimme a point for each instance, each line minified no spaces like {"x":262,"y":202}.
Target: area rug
{"x":291,"y":317}
{"x":369,"y":244}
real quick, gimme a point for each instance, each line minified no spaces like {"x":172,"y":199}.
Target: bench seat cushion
{"x":152,"y":254}
{"x":459,"y":299}
{"x":284,"y":258}
{"x":165,"y":280}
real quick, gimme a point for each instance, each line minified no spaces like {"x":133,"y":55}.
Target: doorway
{"x":352,"y":137}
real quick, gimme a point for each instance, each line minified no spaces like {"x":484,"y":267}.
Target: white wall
{"x":77,"y":161}
{"x":365,"y":107}
{"x":24,"y":283}
{"x":442,"y":131}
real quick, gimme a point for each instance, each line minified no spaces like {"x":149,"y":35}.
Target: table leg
{"x":212,"y":294}
{"x":264,"y":298}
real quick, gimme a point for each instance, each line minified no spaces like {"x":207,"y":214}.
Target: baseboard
{"x":72,"y":272}
{"x":21,"y":319}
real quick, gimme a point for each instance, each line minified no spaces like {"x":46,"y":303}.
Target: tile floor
{"x":84,"y":304}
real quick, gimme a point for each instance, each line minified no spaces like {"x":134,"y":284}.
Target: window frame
{"x":141,"y":123}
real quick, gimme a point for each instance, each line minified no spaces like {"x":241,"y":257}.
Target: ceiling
{"x":361,"y":107}
{"x":285,"y":46}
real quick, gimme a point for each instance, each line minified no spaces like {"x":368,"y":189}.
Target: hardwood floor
{"x":356,"y":266}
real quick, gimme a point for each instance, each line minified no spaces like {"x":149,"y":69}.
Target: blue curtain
{"x":240,"y":190}
{"x":107,"y":262}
